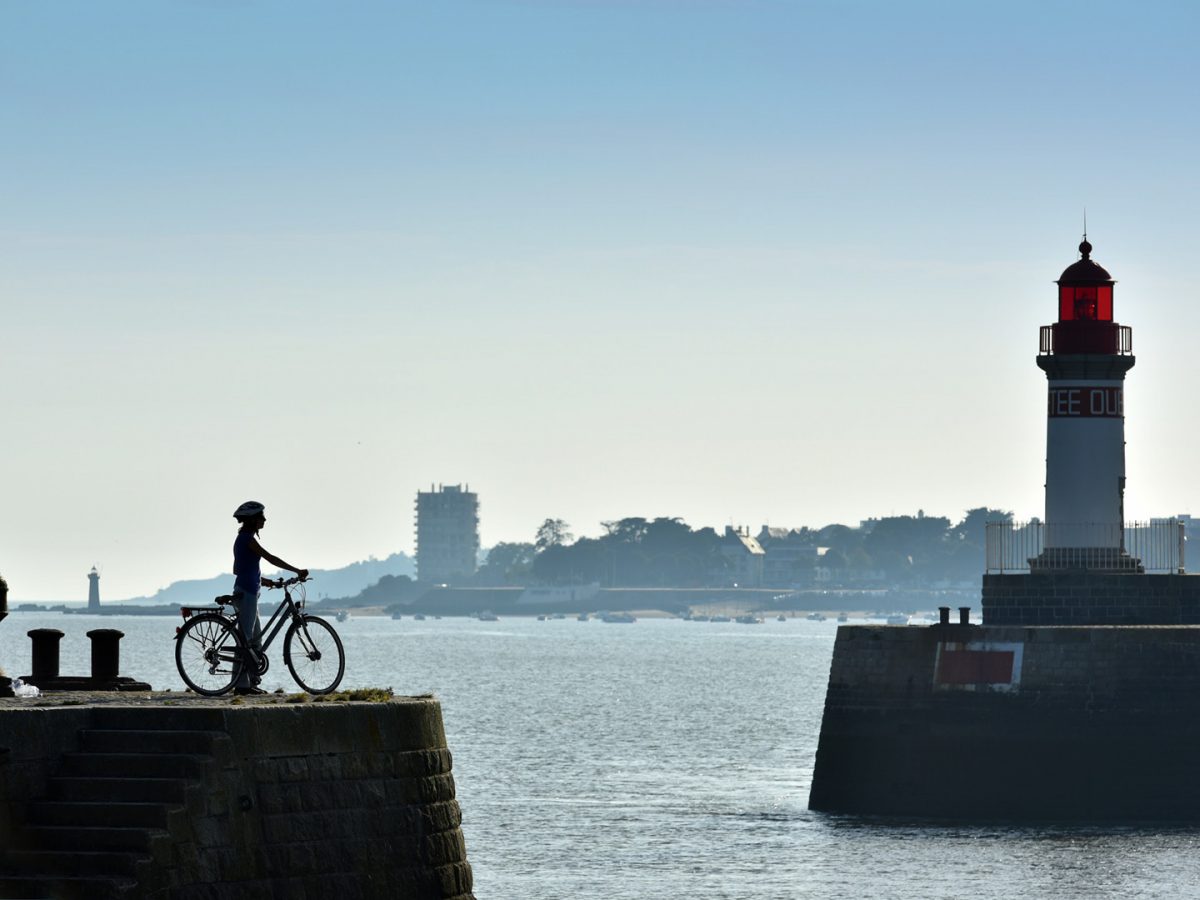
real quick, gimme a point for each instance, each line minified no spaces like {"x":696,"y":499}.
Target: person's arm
{"x":274,"y":560}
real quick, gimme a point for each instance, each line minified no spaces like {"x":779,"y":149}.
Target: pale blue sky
{"x":734,"y":261}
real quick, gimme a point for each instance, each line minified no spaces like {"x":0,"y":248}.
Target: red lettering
{"x":1087,"y":402}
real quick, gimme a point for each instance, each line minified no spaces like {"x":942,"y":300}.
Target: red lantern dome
{"x":1085,"y":311}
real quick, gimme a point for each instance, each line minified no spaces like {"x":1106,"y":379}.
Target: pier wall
{"x":1027,"y":723}
{"x":347,"y":800}
{"x":1091,"y":598}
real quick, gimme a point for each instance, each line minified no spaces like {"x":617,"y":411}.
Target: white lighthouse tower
{"x":93,"y":591}
{"x":1085,"y":356}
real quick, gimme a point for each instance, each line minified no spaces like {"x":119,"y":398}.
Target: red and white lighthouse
{"x":1085,"y":356}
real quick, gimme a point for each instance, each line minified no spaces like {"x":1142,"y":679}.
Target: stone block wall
{"x":31,"y":742}
{"x":304,"y":800}
{"x":1091,"y":598}
{"x":1070,"y":723}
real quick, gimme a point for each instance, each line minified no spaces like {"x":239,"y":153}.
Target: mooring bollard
{"x":45,"y":654}
{"x":943,"y":615}
{"x":964,"y":615}
{"x":106,"y":653}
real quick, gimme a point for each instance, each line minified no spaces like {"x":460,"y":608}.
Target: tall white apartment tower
{"x":447,"y":533}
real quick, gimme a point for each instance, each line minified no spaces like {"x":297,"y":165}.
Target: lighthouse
{"x":1085,"y":356}
{"x":1061,"y":685}
{"x":93,"y":591}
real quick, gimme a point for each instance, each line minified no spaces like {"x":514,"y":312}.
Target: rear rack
{"x":188,"y":611}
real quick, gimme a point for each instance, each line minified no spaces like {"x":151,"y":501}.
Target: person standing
{"x":248,"y":554}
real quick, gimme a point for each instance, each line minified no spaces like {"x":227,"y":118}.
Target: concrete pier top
{"x":189,"y":700}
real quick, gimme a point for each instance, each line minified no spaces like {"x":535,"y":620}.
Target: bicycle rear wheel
{"x":208,"y":654}
{"x":313,"y":653}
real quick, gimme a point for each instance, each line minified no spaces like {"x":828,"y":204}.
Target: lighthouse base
{"x":977,"y":723}
{"x":1084,"y":597}
{"x":1092,"y":559}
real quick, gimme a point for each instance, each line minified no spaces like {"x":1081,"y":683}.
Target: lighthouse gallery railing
{"x":1154,"y":546}
{"x":1103,"y":337}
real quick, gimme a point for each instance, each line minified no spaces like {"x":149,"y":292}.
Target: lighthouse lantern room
{"x":1085,"y":356}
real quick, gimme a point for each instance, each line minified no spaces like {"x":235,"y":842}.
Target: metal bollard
{"x":45,"y":654}
{"x":106,"y":653}
{"x":943,"y":615}
{"x":964,"y":615}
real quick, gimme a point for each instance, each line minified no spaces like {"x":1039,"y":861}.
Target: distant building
{"x":745,"y":557}
{"x":789,"y":558}
{"x":93,"y":590}
{"x":447,"y":534}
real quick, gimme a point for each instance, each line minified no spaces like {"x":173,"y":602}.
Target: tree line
{"x":900,"y":551}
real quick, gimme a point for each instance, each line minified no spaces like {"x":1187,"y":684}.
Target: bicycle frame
{"x":278,"y":619}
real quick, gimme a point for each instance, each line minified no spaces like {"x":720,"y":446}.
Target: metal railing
{"x":1102,"y":337}
{"x":1154,"y":546}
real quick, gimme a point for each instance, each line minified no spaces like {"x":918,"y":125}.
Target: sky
{"x":738,"y":261}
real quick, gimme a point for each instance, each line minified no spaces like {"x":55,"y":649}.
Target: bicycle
{"x":210,"y":651}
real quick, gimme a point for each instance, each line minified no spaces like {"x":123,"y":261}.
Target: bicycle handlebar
{"x":286,"y":582}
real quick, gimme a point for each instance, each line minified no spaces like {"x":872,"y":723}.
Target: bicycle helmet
{"x":248,"y":509}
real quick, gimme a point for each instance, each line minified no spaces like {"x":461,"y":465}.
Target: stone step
{"x":163,"y":718}
{"x":118,"y":790}
{"x":140,"y":740}
{"x":120,"y":815}
{"x":133,"y":765}
{"x":71,"y":863}
{"x":90,"y":837}
{"x":55,"y":887}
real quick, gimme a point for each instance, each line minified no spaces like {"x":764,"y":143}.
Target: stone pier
{"x":976,"y":723}
{"x":172,"y":795}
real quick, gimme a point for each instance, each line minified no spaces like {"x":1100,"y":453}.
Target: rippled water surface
{"x":667,"y":759}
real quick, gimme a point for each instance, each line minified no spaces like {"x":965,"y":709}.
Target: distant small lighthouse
{"x":93,"y":591}
{"x":1085,"y":356}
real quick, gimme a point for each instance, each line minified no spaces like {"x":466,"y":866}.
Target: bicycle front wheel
{"x":208,"y":654}
{"x":313,"y":653}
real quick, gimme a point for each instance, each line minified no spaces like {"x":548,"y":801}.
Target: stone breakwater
{"x":1018,"y":723}
{"x":171,"y":795}
{"x":1091,"y":598}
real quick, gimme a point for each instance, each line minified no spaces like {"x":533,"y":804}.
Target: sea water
{"x":666,"y":759}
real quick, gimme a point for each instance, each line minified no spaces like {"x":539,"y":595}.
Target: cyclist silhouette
{"x":247,"y":556}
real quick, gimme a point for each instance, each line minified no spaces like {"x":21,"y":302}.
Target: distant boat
{"x":720,"y":619}
{"x":343,"y":615}
{"x":749,"y":620}
{"x":397,"y":616}
{"x":488,"y":616}
{"x":842,"y":617}
{"x":620,"y":618}
{"x":781,"y":618}
{"x":541,"y":618}
{"x":582,"y":617}
{"x":815,"y":617}
{"x":419,"y":617}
